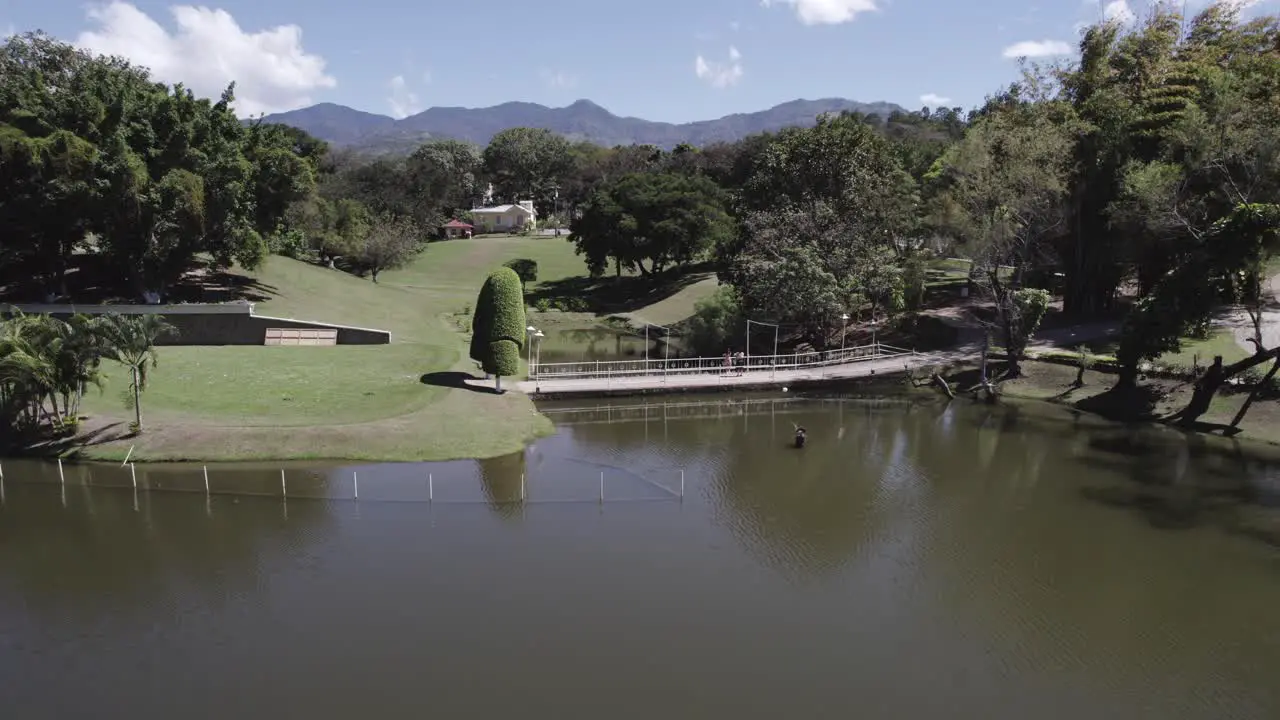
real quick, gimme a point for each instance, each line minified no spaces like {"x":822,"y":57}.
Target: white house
{"x":505,"y":218}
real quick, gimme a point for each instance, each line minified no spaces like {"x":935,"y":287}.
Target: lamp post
{"x":528,"y":351}
{"x":875,"y":347}
{"x":537,"y":338}
{"x":666,"y":345}
{"x":844,"y":330}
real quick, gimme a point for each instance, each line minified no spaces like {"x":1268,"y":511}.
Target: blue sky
{"x":671,"y":60}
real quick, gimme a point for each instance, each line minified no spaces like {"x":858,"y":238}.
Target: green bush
{"x":525,"y":268}
{"x":505,"y":358}
{"x":716,"y":321}
{"x":498,"y":327}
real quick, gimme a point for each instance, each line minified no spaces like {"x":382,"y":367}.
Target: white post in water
{"x":1,"y":471}
{"x":521,"y":487}
{"x":284,"y":490}
{"x":431,"y":488}
{"x":62,"y":478}
{"x":133,"y":474}
{"x":206,"y":479}
{"x":681,"y":484}
{"x":601,"y":487}
{"x":355,"y":480}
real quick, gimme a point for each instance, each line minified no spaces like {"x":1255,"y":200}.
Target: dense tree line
{"x":97,"y":159}
{"x":1150,"y":165}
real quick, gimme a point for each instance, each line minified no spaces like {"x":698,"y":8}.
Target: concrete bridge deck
{"x":761,"y":378}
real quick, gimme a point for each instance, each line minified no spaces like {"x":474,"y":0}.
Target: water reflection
{"x":138,"y":549}
{"x":925,"y":559}
{"x":503,"y":479}
{"x":602,"y":344}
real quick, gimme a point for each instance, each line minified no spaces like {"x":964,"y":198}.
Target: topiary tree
{"x":527,"y":269}
{"x":498,"y":327}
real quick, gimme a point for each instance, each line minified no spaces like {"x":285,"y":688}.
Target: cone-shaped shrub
{"x":498,"y":328}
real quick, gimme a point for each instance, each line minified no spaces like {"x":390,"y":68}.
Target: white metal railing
{"x":732,"y":366}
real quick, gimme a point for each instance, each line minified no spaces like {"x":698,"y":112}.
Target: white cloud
{"x":1118,"y":10}
{"x":826,"y":12}
{"x":208,"y":50}
{"x":558,"y":79}
{"x":1037,"y":49}
{"x":403,"y":100}
{"x":934,"y":100}
{"x":720,"y":74}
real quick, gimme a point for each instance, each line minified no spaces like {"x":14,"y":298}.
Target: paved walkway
{"x":969,"y":347}
{"x":749,"y":379}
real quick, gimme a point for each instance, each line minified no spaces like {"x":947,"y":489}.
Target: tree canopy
{"x":94,"y":146}
{"x":648,"y":222}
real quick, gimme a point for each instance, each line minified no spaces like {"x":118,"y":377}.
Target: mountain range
{"x":584,"y":120}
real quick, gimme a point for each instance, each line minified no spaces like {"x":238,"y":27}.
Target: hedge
{"x":498,"y":329}
{"x":525,"y":268}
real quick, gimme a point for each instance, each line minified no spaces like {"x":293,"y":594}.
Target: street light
{"x":528,"y":350}
{"x":875,"y":347}
{"x":844,"y":329}
{"x":537,"y":337}
{"x":666,"y":345}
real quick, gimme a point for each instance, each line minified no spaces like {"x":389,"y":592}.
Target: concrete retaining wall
{"x":211,"y":324}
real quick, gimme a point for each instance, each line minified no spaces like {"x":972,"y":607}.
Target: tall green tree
{"x":1003,"y":195}
{"x":498,"y":326}
{"x":445,"y":175}
{"x":130,"y":340}
{"x":527,"y":163}
{"x":649,"y":222}
{"x":825,"y":208}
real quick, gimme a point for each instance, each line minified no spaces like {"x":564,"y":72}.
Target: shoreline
{"x":1045,"y":382}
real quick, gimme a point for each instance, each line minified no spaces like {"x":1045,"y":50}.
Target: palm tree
{"x":130,"y":340}
{"x":27,"y":372}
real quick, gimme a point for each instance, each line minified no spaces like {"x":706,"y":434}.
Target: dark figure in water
{"x":800,"y":437}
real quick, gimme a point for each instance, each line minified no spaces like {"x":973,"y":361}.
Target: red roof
{"x":458,"y":224}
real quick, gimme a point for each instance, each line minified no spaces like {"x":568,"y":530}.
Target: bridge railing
{"x":732,"y":366}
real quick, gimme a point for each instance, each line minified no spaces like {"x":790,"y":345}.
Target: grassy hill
{"x":403,"y":401}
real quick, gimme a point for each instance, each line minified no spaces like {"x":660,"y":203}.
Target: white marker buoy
{"x":784,"y":388}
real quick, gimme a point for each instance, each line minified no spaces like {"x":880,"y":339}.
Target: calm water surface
{"x":913,"y":562}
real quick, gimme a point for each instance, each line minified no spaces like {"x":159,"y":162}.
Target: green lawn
{"x":1220,"y":342}
{"x":351,"y":402}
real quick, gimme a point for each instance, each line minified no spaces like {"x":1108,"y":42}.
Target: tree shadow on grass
{"x":457,"y":381}
{"x":71,"y":446}
{"x":1125,"y":404}
{"x":217,"y":286}
{"x":607,"y":295}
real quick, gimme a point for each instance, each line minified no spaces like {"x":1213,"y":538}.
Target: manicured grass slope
{"x":232,"y":403}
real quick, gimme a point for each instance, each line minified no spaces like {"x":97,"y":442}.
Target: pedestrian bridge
{"x":710,"y":373}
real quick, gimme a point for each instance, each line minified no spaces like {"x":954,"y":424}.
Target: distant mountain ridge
{"x":583,"y":120}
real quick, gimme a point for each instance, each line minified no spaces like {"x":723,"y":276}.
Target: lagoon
{"x":917,"y":559}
